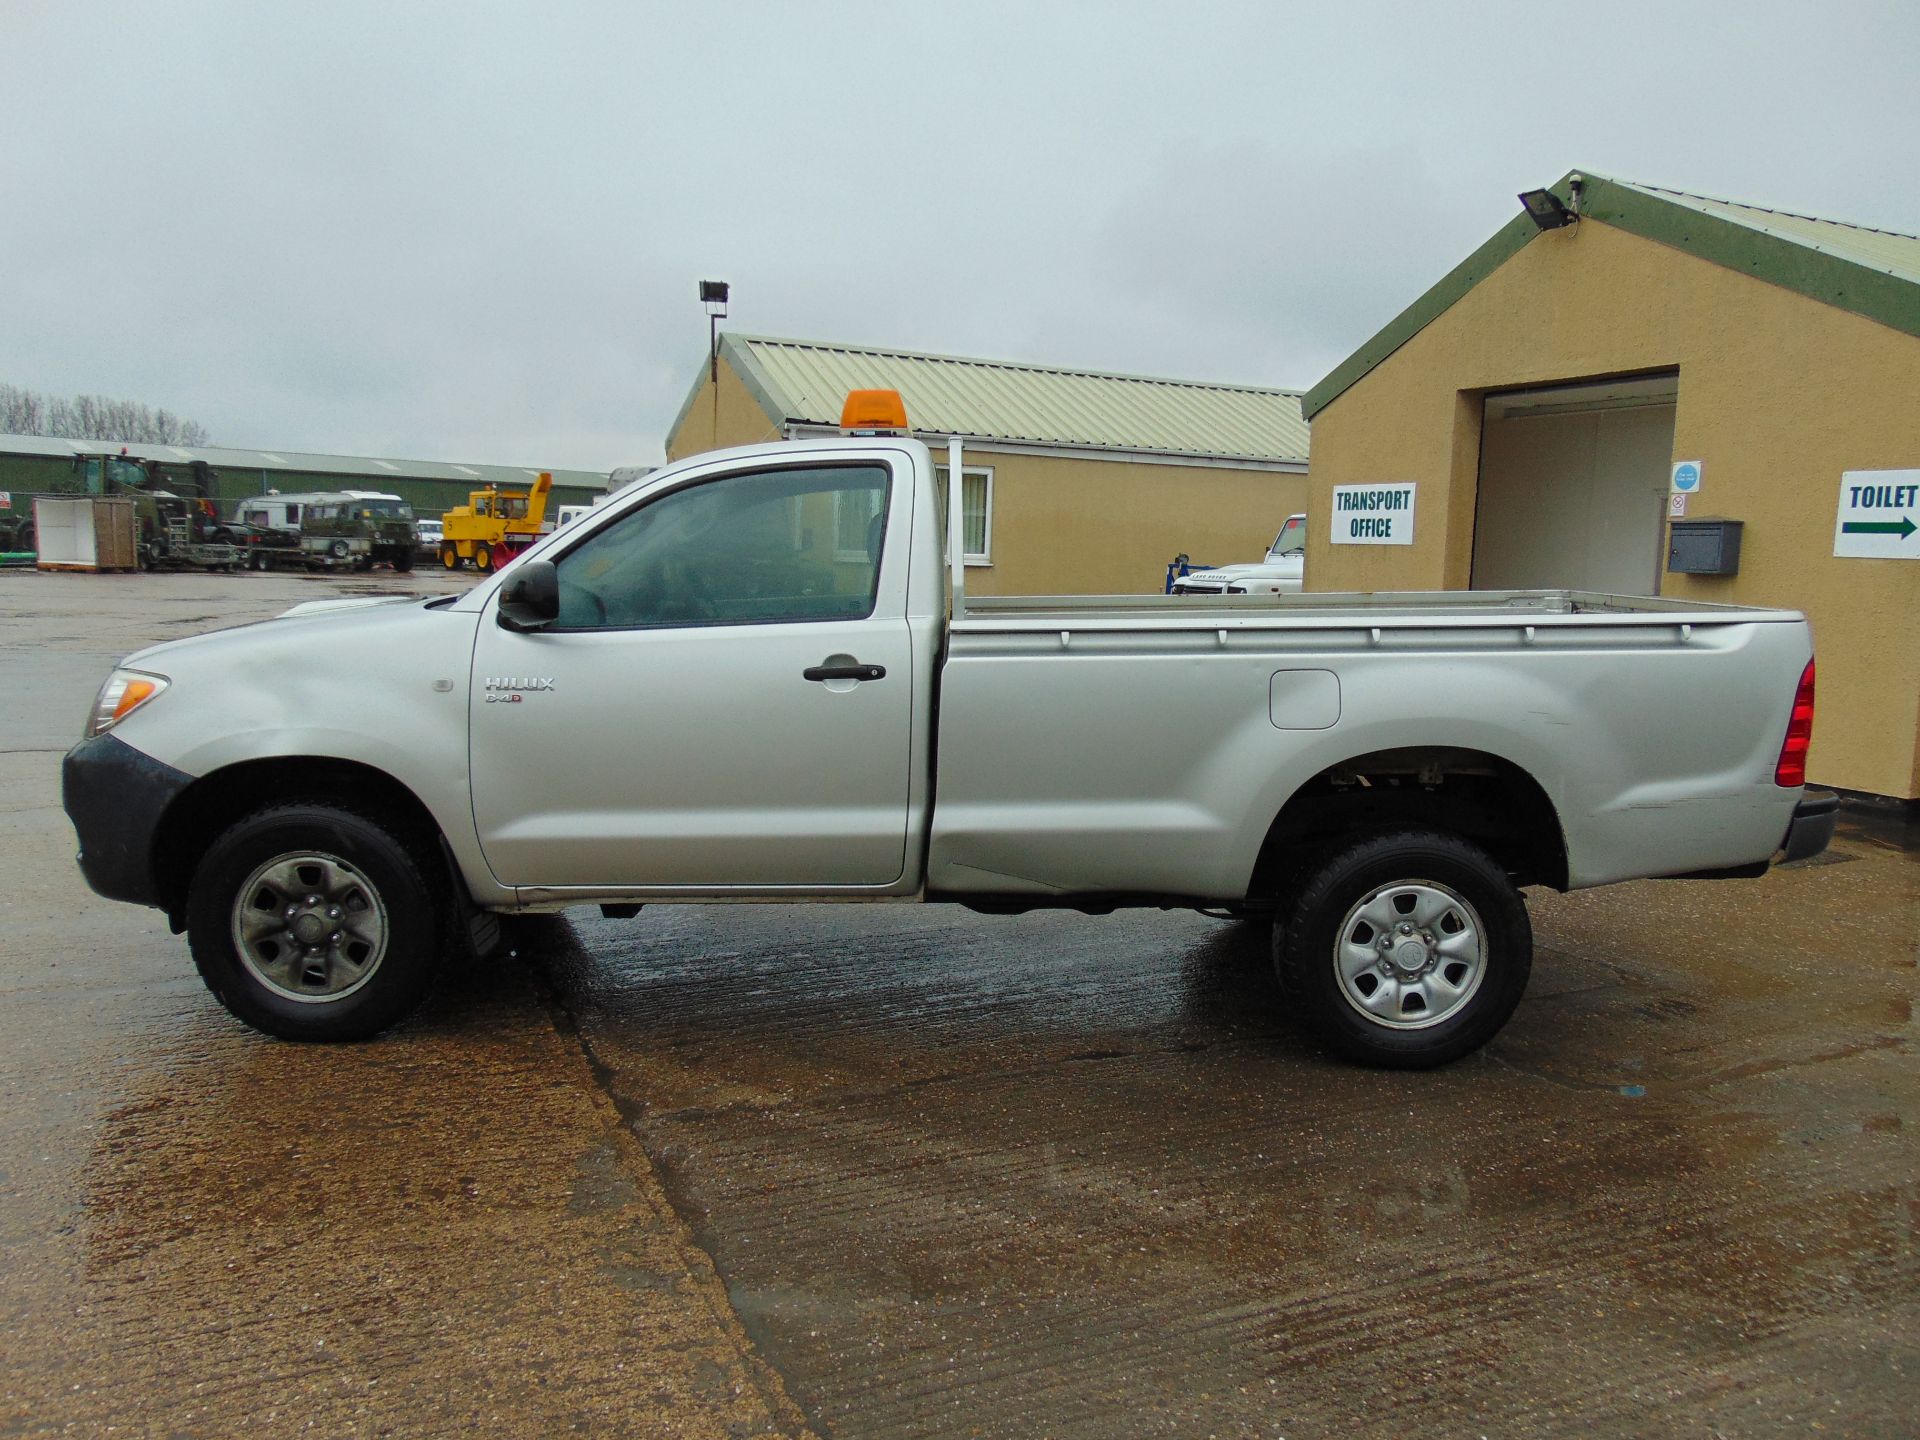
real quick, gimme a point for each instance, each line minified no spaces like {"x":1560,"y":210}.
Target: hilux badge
{"x":509,"y":689}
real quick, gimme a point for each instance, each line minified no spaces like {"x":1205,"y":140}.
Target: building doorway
{"x":1573,"y":486}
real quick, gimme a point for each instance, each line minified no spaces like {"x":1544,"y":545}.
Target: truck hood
{"x":375,"y":684}
{"x":1288,"y":569}
{"x":371,"y":621}
{"x":351,"y":602}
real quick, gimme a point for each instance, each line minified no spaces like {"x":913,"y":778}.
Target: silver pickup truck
{"x":753,"y":678}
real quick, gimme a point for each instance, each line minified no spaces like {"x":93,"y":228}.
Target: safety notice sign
{"x":1373,"y":514}
{"x":1879,"y":515}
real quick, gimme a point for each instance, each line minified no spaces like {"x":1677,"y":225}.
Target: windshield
{"x":1292,"y":539}
{"x":387,"y":510}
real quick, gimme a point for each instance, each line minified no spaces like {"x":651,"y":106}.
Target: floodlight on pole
{"x":713,"y":295}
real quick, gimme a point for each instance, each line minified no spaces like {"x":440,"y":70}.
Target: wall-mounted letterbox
{"x":1704,"y":547}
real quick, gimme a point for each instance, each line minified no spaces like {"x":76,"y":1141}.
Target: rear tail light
{"x":1792,"y":768}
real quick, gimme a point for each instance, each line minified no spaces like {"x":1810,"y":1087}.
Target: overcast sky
{"x":474,"y":232}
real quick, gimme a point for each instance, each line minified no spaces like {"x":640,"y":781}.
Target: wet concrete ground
{"x":896,"y":1171}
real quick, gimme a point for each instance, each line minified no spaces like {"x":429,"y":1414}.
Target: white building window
{"x":976,"y":509}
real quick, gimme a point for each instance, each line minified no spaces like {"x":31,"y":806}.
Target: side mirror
{"x":531,"y":599}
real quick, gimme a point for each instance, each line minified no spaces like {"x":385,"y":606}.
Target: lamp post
{"x":713,"y":295}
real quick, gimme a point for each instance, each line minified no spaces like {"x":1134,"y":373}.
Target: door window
{"x":755,"y":549}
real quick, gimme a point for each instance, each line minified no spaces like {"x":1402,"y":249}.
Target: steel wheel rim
{"x":1410,"y":955}
{"x":310,"y":927}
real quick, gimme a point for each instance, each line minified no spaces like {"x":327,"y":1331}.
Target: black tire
{"x":1419,"y":867}
{"x":339,"y":549}
{"x":483,"y":558}
{"x":403,"y":561}
{"x":449,"y":557}
{"x":375,"y":866}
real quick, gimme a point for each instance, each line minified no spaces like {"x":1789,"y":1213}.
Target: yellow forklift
{"x":494,"y":525}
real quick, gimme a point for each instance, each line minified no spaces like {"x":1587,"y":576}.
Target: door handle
{"x":844,"y":672}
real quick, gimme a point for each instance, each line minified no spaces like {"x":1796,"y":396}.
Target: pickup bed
{"x":752,"y":677}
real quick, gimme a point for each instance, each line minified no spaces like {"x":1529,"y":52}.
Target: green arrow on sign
{"x":1903,"y":527}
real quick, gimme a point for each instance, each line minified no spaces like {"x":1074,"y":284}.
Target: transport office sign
{"x":1373,"y":514}
{"x":1879,"y":515}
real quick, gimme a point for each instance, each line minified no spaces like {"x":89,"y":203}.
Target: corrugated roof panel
{"x":1888,"y":251}
{"x":1035,"y":404}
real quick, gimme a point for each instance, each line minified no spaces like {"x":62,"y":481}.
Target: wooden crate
{"x":85,"y":532}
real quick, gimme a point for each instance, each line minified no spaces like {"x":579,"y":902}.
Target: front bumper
{"x":116,"y":796}
{"x":1811,"y":829}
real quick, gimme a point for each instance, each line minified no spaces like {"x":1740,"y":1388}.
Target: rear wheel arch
{"x":1478,"y":796}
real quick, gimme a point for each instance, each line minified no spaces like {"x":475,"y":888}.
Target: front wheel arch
{"x":314,"y":921}
{"x":217,"y":800}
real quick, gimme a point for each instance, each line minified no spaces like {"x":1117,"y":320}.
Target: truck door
{"x":725,"y":698}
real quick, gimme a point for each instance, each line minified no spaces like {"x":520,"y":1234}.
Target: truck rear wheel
{"x":312,"y":922}
{"x":1407,"y":950}
{"x":449,"y":555}
{"x":483,"y":557}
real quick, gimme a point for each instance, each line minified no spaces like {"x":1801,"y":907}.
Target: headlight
{"x":125,"y":692}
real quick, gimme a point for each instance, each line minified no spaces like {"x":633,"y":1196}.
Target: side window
{"x":755,"y":549}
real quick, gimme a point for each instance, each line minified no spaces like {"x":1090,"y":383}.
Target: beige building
{"x":1076,"y":483}
{"x":1541,"y":396}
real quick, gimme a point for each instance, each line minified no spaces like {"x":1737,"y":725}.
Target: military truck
{"x":358,"y":528}
{"x":176,"y":530}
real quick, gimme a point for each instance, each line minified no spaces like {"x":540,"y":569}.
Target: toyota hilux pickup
{"x":764,"y":684}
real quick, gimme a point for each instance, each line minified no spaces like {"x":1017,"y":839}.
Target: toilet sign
{"x":1686,"y":478}
{"x":1879,"y":515}
{"x":1373,"y":514}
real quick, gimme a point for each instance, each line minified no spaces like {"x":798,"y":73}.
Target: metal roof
{"x":1874,"y":273}
{"x":1888,"y":251}
{"x":804,"y":383}
{"x":299,"y":463}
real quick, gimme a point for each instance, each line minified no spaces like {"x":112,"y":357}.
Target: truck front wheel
{"x":1407,"y":950}
{"x":311,"y":922}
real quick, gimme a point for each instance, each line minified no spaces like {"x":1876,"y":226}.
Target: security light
{"x":1545,"y":209}
{"x":713,"y":295}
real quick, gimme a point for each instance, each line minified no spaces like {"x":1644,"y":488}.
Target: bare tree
{"x":95,"y":417}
